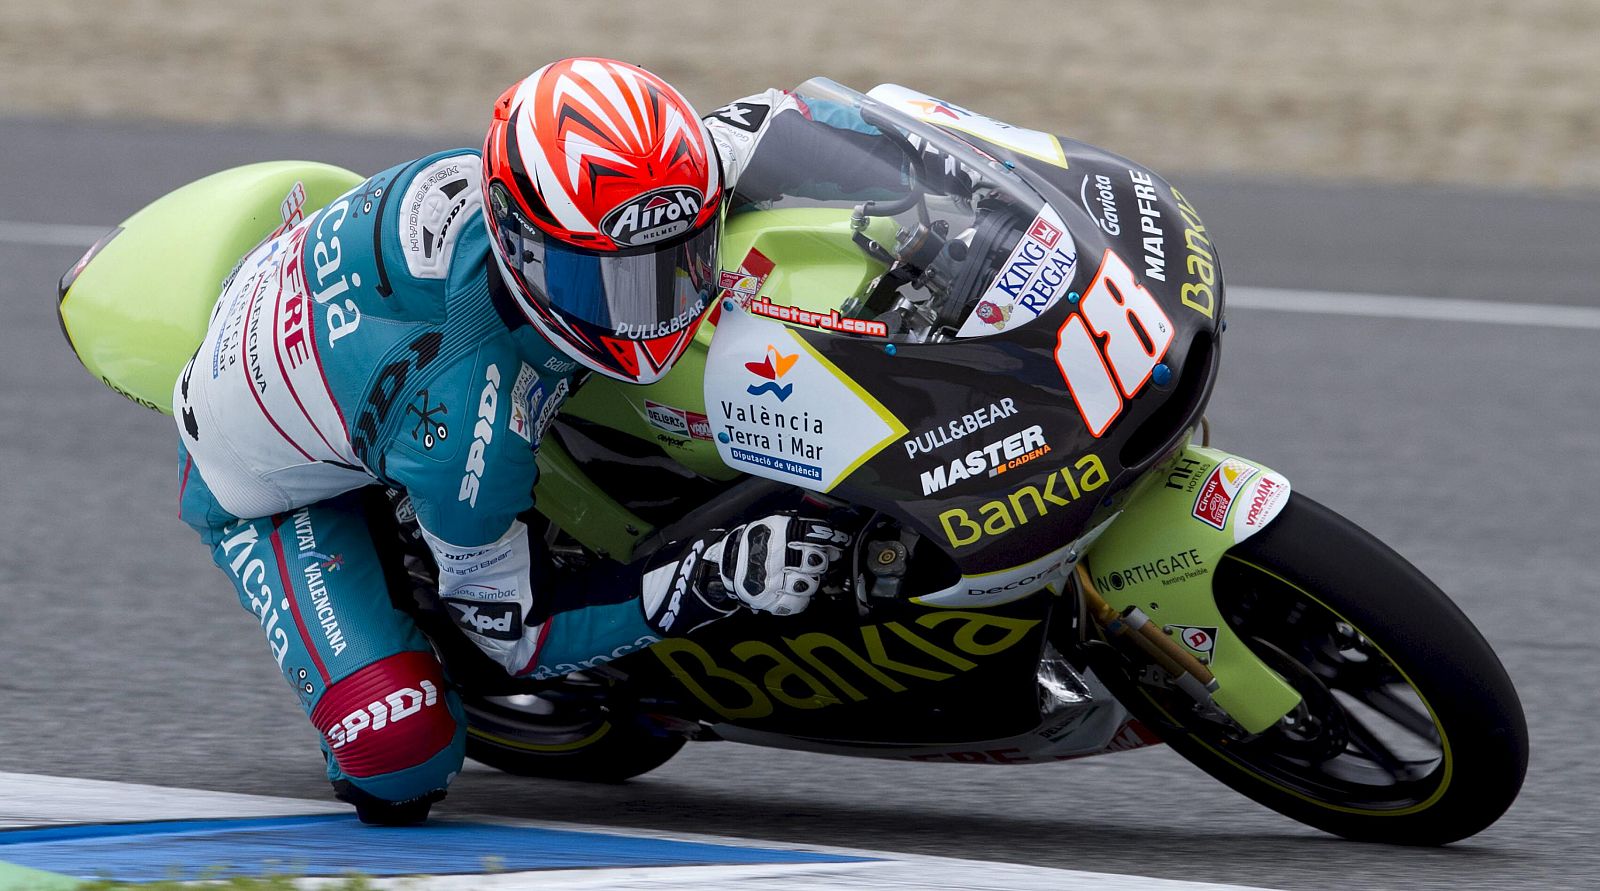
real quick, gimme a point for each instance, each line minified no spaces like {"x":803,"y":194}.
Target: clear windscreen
{"x":961,"y":245}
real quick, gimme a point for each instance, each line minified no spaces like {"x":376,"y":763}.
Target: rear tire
{"x":1411,"y":732}
{"x":564,"y":737}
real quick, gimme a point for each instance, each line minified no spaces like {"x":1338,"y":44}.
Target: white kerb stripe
{"x":31,"y":800}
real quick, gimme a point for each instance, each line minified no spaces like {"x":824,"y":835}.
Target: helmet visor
{"x":633,"y":294}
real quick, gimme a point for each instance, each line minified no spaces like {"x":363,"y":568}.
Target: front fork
{"x":1147,"y":580}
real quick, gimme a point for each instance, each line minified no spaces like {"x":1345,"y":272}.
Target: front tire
{"x":1410,"y":731}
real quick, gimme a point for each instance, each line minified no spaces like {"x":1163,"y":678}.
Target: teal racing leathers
{"x":366,"y":345}
{"x":373,"y":344}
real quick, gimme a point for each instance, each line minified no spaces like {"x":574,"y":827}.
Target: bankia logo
{"x":771,"y":369}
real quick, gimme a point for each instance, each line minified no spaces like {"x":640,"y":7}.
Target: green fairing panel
{"x":816,"y":265}
{"x":138,"y":310}
{"x":1162,"y":553}
{"x":566,"y":495}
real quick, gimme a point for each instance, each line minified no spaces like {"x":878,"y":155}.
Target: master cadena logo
{"x":773,"y":368}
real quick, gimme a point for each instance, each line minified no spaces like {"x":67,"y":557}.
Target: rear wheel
{"x":1409,"y":732}
{"x":566,"y":733}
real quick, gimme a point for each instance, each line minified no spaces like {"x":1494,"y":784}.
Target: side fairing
{"x":911,"y":676}
{"x":135,"y":310}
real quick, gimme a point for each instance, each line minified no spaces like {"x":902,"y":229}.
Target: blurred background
{"x":1423,"y":149}
{"x":1486,"y":93}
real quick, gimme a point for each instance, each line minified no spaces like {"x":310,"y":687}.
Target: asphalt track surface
{"x":1471,"y":448}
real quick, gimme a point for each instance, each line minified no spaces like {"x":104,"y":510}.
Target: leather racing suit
{"x":373,"y":343}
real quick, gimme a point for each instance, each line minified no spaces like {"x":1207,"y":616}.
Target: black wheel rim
{"x":1364,"y":738}
{"x":562,"y":719}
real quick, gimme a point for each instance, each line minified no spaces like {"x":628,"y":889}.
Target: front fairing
{"x":979,"y":440}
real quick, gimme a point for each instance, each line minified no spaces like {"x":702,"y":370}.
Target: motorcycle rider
{"x":421,"y":332}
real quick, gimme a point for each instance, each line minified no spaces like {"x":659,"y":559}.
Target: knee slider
{"x":389,"y":716}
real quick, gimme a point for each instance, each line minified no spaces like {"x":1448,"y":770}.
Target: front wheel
{"x":1409,"y":731}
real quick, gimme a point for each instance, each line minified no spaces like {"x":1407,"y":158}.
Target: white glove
{"x":776,"y":564}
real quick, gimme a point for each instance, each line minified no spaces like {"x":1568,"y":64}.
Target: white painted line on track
{"x":1386,"y":306}
{"x":1379,"y":306}
{"x":45,"y":801}
{"x":50,"y":234}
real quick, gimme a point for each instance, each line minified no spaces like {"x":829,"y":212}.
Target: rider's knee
{"x":404,"y":797}
{"x":393,"y":729}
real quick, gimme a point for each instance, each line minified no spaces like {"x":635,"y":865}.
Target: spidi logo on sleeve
{"x":482,"y":435}
{"x":653,"y":216}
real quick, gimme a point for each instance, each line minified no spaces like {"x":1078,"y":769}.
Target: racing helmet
{"x":603,"y":198}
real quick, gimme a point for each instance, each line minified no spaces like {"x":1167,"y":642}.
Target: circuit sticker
{"x":1221,"y":490}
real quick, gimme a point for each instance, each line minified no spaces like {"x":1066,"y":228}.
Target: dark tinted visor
{"x":636,"y":293}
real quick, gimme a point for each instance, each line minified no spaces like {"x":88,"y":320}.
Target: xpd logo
{"x":746,"y":116}
{"x":773,"y":367}
{"x":500,"y":621}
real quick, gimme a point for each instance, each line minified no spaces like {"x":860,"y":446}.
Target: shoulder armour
{"x":436,"y":199}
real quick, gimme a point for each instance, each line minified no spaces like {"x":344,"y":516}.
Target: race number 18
{"x":1136,"y":333}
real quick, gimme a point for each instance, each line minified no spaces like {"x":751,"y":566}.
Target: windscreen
{"x":959,"y":245}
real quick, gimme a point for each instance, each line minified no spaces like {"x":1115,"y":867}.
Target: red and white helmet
{"x":603,"y":198}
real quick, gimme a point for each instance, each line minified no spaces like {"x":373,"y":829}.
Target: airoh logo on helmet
{"x":654,"y":216}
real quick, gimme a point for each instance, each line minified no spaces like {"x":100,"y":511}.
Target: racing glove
{"x":773,"y":565}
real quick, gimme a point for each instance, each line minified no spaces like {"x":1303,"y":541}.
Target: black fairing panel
{"x":907,"y":675}
{"x":1109,"y":204}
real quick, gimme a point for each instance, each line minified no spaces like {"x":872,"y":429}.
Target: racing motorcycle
{"x":990,"y":368}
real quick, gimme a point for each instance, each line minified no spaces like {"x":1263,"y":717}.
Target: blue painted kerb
{"x":334,"y":845}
